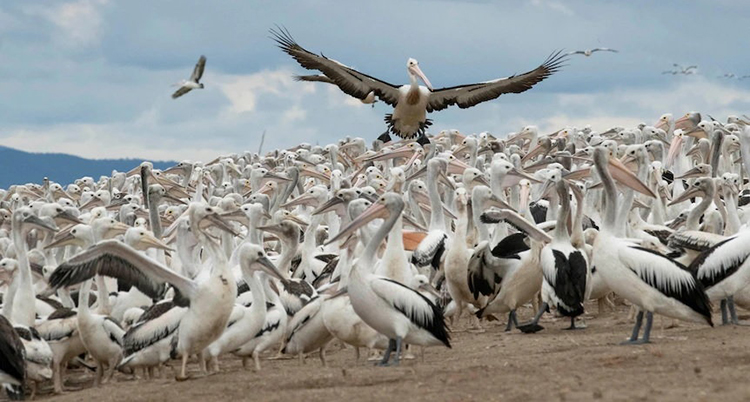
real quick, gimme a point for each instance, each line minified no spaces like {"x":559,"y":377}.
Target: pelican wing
{"x":164,"y":319}
{"x":181,"y":91}
{"x":12,"y":361}
{"x":603,"y":49}
{"x":669,"y":277}
{"x":721,"y":261}
{"x":349,"y":80}
{"x":198,"y":70}
{"x":417,"y":308}
{"x":466,"y":96}
{"x":314,"y":78}
{"x":115,"y":259}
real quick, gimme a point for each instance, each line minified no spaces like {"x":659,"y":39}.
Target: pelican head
{"x":412,"y":66}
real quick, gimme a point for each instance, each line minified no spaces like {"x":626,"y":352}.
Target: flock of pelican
{"x":375,"y":248}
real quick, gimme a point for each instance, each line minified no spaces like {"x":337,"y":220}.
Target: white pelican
{"x":193,"y":82}
{"x":391,"y":308}
{"x":649,"y":280}
{"x":210,"y":301}
{"x":412,"y":102}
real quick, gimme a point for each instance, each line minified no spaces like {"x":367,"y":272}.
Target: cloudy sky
{"x":92,"y":77}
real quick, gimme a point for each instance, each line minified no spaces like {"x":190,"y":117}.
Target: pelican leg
{"x":534,"y":326}
{"x":256,"y":359}
{"x":573,"y":327}
{"x":732,"y":311}
{"x":183,"y":369}
{"x":636,"y":329}
{"x":723,"y":307}
{"x":647,"y":331}
{"x":387,"y":354}
{"x":397,"y":359}
{"x":512,"y":321}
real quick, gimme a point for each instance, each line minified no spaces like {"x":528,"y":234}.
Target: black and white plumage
{"x":411,"y":102}
{"x":194,"y":81}
{"x":38,"y":355}
{"x":12,"y":360}
{"x":147,"y":342}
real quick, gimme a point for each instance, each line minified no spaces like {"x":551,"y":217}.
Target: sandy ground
{"x":687,"y":363}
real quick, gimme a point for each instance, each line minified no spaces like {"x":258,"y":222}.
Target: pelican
{"x":649,"y":280}
{"x":391,"y":308}
{"x":589,"y":52}
{"x":193,"y":82}
{"x":412,"y":102}
{"x":210,"y":300}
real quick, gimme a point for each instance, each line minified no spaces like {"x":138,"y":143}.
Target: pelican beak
{"x":221,"y":224}
{"x":275,"y":176}
{"x":515,"y":173}
{"x":237,"y":215}
{"x":460,"y":149}
{"x":498,"y":215}
{"x":328,"y":206}
{"x":41,"y":223}
{"x":494,"y":201}
{"x":375,"y":211}
{"x":210,"y":179}
{"x":482,"y":180}
{"x":674,"y":149}
{"x":688,"y":194}
{"x":683,"y":123}
{"x":578,"y":174}
{"x":411,"y":160}
{"x":661,"y":124}
{"x":175,"y":199}
{"x":314,"y":173}
{"x":308,"y":200}
{"x":268,"y":267}
{"x":696,"y":171}
{"x":403,"y":152}
{"x":296,"y":219}
{"x":117,"y":229}
{"x":92,"y":203}
{"x":420,"y":74}
{"x":152,"y":241}
{"x":456,"y":166}
{"x":622,"y":174}
{"x":419,"y":173}
{"x":66,"y":240}
{"x":546,"y":188}
{"x":175,"y":168}
{"x":66,"y":216}
{"x":408,"y":219}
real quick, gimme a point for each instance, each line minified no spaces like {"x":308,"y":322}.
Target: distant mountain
{"x":20,"y":167}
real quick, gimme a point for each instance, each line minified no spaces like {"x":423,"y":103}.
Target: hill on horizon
{"x":20,"y":167}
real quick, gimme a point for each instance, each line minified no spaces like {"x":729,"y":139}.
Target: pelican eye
{"x":260,"y":254}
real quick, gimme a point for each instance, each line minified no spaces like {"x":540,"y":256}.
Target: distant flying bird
{"x":412,"y":102}
{"x":192,"y":83}
{"x":729,"y":76}
{"x":681,"y":70}
{"x":589,"y":52}
{"x":370,"y":99}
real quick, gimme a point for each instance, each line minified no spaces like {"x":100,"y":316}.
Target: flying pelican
{"x":193,"y":82}
{"x":412,"y":102}
{"x":589,"y":52}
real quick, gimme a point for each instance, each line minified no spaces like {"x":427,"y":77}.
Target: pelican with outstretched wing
{"x":194,"y":81}
{"x":412,"y":102}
